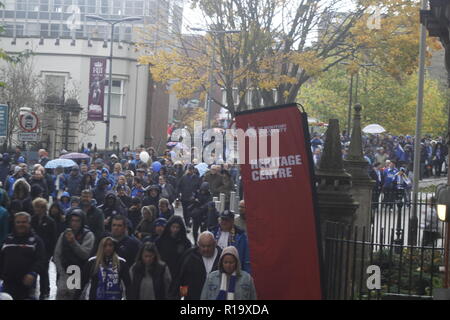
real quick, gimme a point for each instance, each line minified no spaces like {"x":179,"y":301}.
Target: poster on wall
{"x":97,"y":77}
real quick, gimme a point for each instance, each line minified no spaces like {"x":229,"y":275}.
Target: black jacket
{"x":46,"y":230}
{"x":172,"y":249}
{"x":42,"y":183}
{"x":95,"y":220}
{"x":89,"y":275}
{"x":19,"y":256}
{"x":158,"y":281}
{"x":128,"y":249}
{"x":188,"y":186}
{"x":192,"y":274}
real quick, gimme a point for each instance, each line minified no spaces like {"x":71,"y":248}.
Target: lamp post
{"x":213,"y":61}
{"x":443,"y":207}
{"x":112,"y":23}
{"x":350,"y":95}
{"x":135,"y":102}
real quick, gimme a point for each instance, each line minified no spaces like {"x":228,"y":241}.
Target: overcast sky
{"x":194,"y":18}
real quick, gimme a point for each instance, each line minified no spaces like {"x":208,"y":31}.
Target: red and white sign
{"x":282,"y":224}
{"x":29,"y":121}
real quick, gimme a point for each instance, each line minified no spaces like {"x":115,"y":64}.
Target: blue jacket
{"x":9,"y":185}
{"x":73,"y":185}
{"x":389,"y":177}
{"x":4,"y":224}
{"x":240,"y":242}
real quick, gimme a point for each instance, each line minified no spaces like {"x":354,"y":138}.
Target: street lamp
{"x":112,"y":23}
{"x":443,"y":205}
{"x":350,"y":103}
{"x":210,"y":92}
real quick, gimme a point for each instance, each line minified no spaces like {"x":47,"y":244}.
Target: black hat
{"x":136,"y":200}
{"x":227,"y":214}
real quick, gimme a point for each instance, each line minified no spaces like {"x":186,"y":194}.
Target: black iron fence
{"x":389,"y":259}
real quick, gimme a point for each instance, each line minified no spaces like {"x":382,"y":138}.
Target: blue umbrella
{"x":202,"y":168}
{"x":65,"y":163}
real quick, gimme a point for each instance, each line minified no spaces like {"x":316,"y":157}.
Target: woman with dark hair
{"x":173,"y":243}
{"x":150,"y":277}
{"x":107,"y":273}
{"x":87,"y":182}
{"x":57,"y":214}
{"x":21,"y":196}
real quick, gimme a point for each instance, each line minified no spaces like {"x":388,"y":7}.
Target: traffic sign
{"x":4,"y":116}
{"x":29,"y":136}
{"x":29,"y":121}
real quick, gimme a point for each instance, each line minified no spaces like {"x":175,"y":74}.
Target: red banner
{"x":281,"y":220}
{"x":97,"y":76}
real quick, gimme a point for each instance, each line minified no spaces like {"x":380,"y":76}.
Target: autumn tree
{"x":283,"y":44}
{"x":273,"y":55}
{"x":384,"y":99}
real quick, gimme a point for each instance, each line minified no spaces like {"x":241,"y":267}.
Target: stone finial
{"x":331,"y":160}
{"x":356,"y":150}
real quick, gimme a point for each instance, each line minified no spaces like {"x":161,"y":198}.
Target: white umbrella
{"x":374,"y":128}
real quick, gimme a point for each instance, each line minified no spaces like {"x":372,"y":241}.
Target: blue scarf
{"x":109,"y":283}
{"x":225,"y":294}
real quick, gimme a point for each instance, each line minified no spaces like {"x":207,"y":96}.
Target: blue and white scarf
{"x":109,"y":287}
{"x":225,"y":294}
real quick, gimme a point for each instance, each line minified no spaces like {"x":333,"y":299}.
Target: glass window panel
{"x":43,"y":5}
{"x":33,"y":5}
{"x":21,"y":5}
{"x":104,"y":8}
{"x":10,"y":5}
{"x":55,"y":85}
{"x":44,"y":29}
{"x":33,"y":29}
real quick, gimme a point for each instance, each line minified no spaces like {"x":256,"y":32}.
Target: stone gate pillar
{"x":358,"y":167}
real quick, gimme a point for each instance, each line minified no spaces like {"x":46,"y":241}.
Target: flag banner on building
{"x":97,"y":77}
{"x":282,"y":225}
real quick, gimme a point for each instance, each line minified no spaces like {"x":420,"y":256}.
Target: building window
{"x":117,"y":97}
{"x":55,"y":85}
{"x":91,"y":6}
{"x":10,"y":5}
{"x":105,"y":7}
{"x":235,"y":96}
{"x":33,"y":29}
{"x":117,"y":7}
{"x":43,"y":5}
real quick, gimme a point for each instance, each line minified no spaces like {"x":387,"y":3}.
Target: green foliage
{"x":385,"y":100}
{"x":414,"y":271}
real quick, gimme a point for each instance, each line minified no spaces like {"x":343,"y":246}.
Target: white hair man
{"x":197,"y":263}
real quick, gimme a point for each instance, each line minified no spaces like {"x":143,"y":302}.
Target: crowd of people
{"x":391,"y":160}
{"x":113,"y":217}
{"x":378,"y":148}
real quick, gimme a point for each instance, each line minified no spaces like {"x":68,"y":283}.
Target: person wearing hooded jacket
{"x":186,"y":189}
{"x":112,"y":207}
{"x":101,"y":190}
{"x":153,"y":196}
{"x":173,"y":243}
{"x":74,"y":247}
{"x":10,"y":180}
{"x":21,"y":196}
{"x":5,"y":167}
{"x":230,"y":282}
{"x":95,"y":219}
{"x":73,"y":182}
{"x":45,"y":227}
{"x":22,"y":258}
{"x":199,"y":209}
